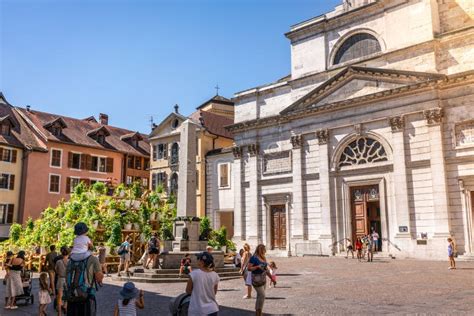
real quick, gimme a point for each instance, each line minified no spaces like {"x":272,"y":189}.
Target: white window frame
{"x":8,"y":181}
{"x":9,"y":157}
{"x":228,"y":175}
{"x":80,"y":161}
{"x":71,"y":188}
{"x":60,"y":160}
{"x":105,"y":164}
{"x":49,"y":183}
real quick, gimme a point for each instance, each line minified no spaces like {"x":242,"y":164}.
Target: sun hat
{"x":129,"y":291}
{"x":80,"y":228}
{"x":206,"y":257}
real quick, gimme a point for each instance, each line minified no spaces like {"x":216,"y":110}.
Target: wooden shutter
{"x":9,"y":215}
{"x":14,"y":154}
{"x":109,"y":165}
{"x":165,"y":151}
{"x":69,"y":159}
{"x":1,"y":153}
{"x":84,"y":165}
{"x":88,"y":162}
{"x":153,"y":181}
{"x":154,"y":149}
{"x":12,"y":182}
{"x":68,"y":185}
{"x":165,"y":180}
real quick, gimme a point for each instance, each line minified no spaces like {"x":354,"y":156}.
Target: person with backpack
{"x":50,"y":265}
{"x":153,"y":250}
{"x":127,"y":306}
{"x":124,"y":253}
{"x":60,"y":268}
{"x":82,"y":278}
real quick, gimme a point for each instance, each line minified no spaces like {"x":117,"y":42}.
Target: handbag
{"x":259,"y":279}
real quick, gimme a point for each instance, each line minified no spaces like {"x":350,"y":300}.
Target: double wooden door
{"x":365,"y":211}
{"x":278,"y":216}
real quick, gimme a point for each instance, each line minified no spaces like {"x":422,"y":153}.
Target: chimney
{"x":28,"y":108}
{"x":103,"y":119}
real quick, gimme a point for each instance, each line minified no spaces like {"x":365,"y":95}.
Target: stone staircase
{"x":466,"y":257}
{"x":141,"y":275}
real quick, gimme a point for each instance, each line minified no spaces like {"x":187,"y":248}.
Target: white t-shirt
{"x":81,"y":244}
{"x":203,"y":299}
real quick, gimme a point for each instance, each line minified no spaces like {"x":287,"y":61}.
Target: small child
{"x":128,"y":303}
{"x":185,"y":265}
{"x":451,"y":253}
{"x":273,"y":272}
{"x":43,"y":295}
{"x":82,"y":244}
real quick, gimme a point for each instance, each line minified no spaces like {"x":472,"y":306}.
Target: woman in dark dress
{"x":153,"y":250}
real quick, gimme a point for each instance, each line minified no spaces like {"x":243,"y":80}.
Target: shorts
{"x":350,"y":248}
{"x":60,"y":284}
{"x":153,"y":251}
{"x":186,"y":269}
{"x":125,"y":257}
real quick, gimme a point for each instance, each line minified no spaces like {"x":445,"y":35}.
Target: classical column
{"x":466,"y":217}
{"x":324,"y":188}
{"x":288,"y":221}
{"x":253,"y":234}
{"x":434,"y":119}
{"x":402,"y":208}
{"x":298,"y":221}
{"x":239,"y":213}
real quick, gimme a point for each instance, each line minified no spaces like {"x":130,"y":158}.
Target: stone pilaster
{"x":253,"y":234}
{"x":402,"y":208}
{"x":298,"y":220}
{"x":324,"y":185}
{"x":434,"y":118}
{"x":239,"y":213}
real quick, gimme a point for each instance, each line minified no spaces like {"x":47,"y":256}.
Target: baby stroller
{"x":179,"y":305}
{"x":27,"y":296}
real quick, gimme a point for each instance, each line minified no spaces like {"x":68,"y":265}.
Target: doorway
{"x":278,"y":217}
{"x":366,"y":212}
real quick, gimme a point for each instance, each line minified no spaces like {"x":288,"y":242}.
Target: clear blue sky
{"x":136,"y":58}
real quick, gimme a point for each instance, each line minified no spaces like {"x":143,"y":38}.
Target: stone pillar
{"x":253,"y":233}
{"x":238,"y":211}
{"x":325,"y":189}
{"x":438,"y":172}
{"x":187,"y":170}
{"x":298,"y":221}
{"x":467,"y":218}
{"x":402,"y":208}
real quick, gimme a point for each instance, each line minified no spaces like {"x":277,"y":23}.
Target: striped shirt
{"x":127,"y":310}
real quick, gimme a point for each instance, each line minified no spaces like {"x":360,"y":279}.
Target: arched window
{"x":356,"y":46}
{"x":174,"y":184}
{"x":362,"y":151}
{"x":174,"y":153}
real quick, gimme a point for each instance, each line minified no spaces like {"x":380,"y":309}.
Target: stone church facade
{"x":373,"y":129}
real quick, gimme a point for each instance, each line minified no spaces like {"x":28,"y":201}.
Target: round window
{"x":175,"y":123}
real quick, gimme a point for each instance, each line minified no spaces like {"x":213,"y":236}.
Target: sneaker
{"x":7,"y":307}
{"x":246,"y":297}
{"x":13,"y":307}
{"x":450,"y":268}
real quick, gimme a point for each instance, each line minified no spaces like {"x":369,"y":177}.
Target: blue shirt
{"x":256,"y":262}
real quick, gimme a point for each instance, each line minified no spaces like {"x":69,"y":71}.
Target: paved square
{"x":335,"y":286}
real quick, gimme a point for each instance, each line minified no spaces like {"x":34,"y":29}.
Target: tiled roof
{"x":213,"y":123}
{"x":21,"y":135}
{"x":216,"y":99}
{"x":78,"y":131}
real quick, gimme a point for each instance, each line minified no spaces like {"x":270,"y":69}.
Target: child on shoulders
{"x":82,"y":246}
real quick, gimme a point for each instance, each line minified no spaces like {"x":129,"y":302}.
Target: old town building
{"x":372,"y":130}
{"x":210,"y":118}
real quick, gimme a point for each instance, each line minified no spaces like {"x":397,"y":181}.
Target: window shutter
{"x":88,"y":162}
{"x":154,"y":149}
{"x":14,"y":154}
{"x":83,"y":162}
{"x":69,"y":159}
{"x":165,"y":180}
{"x":153,"y":181}
{"x":9,"y":216}
{"x":12,"y":182}
{"x":109,"y":165}
{"x":1,"y":153}
{"x":68,"y":185}
{"x":165,"y":151}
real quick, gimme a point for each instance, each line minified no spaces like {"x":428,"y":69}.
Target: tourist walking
{"x":349,"y":248}
{"x":451,"y":253}
{"x":60,"y":268}
{"x":153,"y":251}
{"x":375,"y":239}
{"x":370,"y":248}
{"x":358,"y":246}
{"x":244,"y":271}
{"x":124,"y":252}
{"x":50,"y":266}
{"x":202,"y":286}
{"x":6,"y":267}
{"x":127,"y":305}
{"x":14,"y":283}
{"x":258,"y":266}
{"x":43,"y":294}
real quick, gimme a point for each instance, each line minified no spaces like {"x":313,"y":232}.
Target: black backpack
{"x":76,"y":287}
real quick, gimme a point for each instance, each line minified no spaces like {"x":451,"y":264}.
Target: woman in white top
{"x":127,"y":306}
{"x":202,"y":286}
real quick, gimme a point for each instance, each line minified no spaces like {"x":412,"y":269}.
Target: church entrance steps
{"x":277,"y":253}
{"x":141,"y":275}
{"x":466,"y":257}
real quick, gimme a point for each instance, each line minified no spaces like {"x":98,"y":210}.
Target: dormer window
{"x":99,"y":134}
{"x":56,"y":126}
{"x":56,"y":131}
{"x":6,"y":129}
{"x":101,"y":138}
{"x":6,"y":125}
{"x":132,"y":138}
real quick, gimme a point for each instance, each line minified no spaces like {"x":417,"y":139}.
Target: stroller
{"x":27,"y":296}
{"x":179,"y":305}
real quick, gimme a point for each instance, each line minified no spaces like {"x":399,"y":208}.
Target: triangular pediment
{"x":169,"y":126}
{"x":356,"y":83}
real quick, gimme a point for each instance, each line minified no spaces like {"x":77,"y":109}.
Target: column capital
{"x":323,"y":136}
{"x":296,"y":141}
{"x":397,"y":123}
{"x":237,"y":151}
{"x":253,"y":149}
{"x":433,"y":116}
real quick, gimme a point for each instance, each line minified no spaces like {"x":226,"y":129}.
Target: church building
{"x":372,"y":130}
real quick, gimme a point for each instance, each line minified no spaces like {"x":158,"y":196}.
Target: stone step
{"x":162,"y":280}
{"x":174,"y":275}
{"x":467,"y":257}
{"x":176,"y":271}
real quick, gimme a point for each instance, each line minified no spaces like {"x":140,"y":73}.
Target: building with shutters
{"x":47,"y":155}
{"x":210,"y":118}
{"x":372,"y":130}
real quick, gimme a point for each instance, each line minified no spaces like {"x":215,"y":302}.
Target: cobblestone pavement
{"x":333,"y":286}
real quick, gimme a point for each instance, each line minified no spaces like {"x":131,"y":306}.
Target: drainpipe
{"x":124,"y":175}
{"x":24,"y":172}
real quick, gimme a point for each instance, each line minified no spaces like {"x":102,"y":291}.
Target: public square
{"x":334,"y":286}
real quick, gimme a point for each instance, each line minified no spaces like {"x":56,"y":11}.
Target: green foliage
{"x":15,"y":232}
{"x":218,"y":239}
{"x":99,"y":188}
{"x":116,"y":235}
